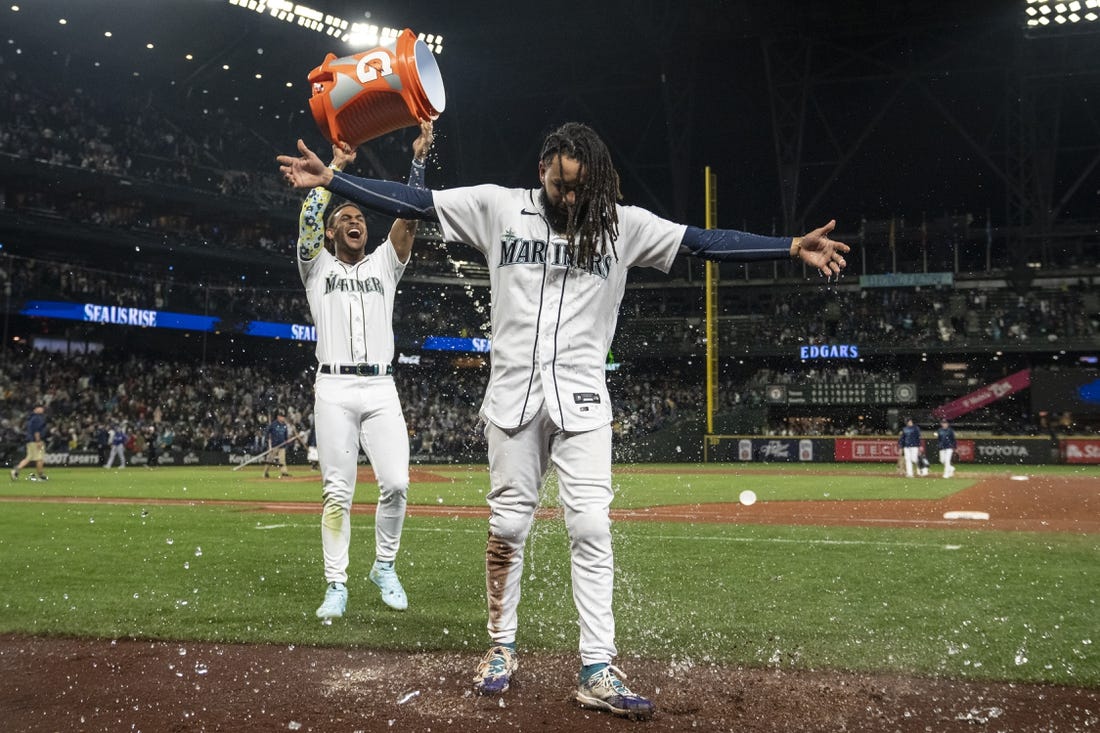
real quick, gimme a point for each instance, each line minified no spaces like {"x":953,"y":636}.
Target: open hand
{"x":306,"y":170}
{"x":827,"y":255}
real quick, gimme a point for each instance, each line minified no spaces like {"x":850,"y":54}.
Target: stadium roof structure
{"x":805,"y":110}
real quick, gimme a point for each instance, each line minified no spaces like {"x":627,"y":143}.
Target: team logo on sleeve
{"x":556,"y":253}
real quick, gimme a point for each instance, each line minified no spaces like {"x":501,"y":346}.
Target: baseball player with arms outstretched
{"x":558,"y":258}
{"x":350,"y":295}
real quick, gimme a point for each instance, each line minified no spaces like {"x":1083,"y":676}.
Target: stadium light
{"x":1078,"y":16}
{"x":356,"y":35}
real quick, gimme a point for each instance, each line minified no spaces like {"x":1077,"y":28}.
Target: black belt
{"x":359,"y":370}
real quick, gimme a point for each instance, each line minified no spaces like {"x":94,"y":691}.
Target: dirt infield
{"x":94,"y":685}
{"x":68,"y":685}
{"x":1025,"y":504}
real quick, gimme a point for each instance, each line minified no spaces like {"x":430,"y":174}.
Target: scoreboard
{"x":855,"y":393}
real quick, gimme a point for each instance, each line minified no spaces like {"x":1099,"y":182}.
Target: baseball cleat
{"x":605,"y":691}
{"x":335,"y":603}
{"x":385,"y":577}
{"x":14,"y":475}
{"x":494,"y":672}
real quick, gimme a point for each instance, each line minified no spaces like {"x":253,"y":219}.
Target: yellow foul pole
{"x":711,"y":304}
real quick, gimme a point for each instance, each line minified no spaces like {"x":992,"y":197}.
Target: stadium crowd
{"x":898,"y":317}
{"x":191,"y":149}
{"x":227,"y":408}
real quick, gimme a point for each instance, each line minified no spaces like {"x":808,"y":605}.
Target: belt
{"x":359,"y":370}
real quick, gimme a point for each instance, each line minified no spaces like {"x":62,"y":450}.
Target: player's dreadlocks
{"x":593,"y":221}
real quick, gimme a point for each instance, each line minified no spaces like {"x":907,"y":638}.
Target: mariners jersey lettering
{"x":553,"y":319}
{"x":555,"y":253}
{"x":334,"y":282}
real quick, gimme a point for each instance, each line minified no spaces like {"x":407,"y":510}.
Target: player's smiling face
{"x":347,"y":228}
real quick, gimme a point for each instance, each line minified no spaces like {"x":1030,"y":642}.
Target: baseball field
{"x":843,"y":599}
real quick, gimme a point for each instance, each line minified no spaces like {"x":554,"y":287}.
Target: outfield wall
{"x":1002,"y":450}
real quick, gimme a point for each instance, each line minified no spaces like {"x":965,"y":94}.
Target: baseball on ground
{"x":748,"y":497}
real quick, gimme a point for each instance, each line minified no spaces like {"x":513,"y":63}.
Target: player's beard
{"x":558,"y":217}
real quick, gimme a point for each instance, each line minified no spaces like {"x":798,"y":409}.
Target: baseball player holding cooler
{"x":558,"y":258}
{"x":350,"y":295}
{"x":946,"y":437}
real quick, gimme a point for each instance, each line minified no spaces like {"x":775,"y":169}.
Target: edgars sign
{"x":829,"y":351}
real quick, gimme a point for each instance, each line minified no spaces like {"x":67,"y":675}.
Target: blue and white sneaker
{"x":335,"y":603}
{"x":384,"y":576}
{"x":494,"y":672}
{"x":605,"y":691}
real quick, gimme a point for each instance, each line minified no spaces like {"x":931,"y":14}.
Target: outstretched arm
{"x":403,"y":231}
{"x":729,"y":245}
{"x":385,"y":197}
{"x":311,"y":226}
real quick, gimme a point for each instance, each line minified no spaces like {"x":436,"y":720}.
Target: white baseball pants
{"x":518,"y":460}
{"x":911,"y":457}
{"x":350,"y":411}
{"x":116,"y":450}
{"x":945,"y":458}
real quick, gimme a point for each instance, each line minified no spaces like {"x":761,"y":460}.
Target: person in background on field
{"x":118,"y":439}
{"x":36,"y":445}
{"x":909,"y":442}
{"x":311,"y":448}
{"x":946,"y":437}
{"x":278,"y":435}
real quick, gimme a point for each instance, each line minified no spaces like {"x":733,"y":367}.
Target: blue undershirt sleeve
{"x":730,"y":245}
{"x":385,"y":197}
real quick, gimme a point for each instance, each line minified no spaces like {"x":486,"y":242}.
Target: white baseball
{"x":747,"y":497}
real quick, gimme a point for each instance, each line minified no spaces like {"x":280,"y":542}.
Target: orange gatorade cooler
{"x":361,"y":97}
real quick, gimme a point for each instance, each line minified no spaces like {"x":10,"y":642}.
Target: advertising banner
{"x":790,"y":450}
{"x":1080,"y":450}
{"x":1013,"y":451}
{"x":980,"y":398}
{"x":872,"y":450}
{"x":964,"y":451}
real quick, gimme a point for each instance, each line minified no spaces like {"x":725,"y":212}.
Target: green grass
{"x":635,"y":486}
{"x":977,"y":604}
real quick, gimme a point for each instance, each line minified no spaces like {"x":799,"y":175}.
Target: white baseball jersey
{"x":552,"y":320}
{"x":352,"y":305}
{"x":352,"y":308}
